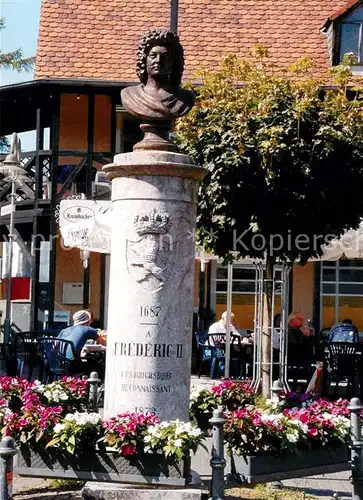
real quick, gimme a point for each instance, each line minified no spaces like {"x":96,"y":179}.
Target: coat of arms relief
{"x":151,"y":259}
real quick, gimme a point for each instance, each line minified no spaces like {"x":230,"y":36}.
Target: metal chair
{"x":26,"y":352}
{"x":300,"y":359}
{"x":324,"y":333}
{"x":203,"y":351}
{"x":217,"y":344}
{"x":343,"y":359}
{"x":58,"y":354}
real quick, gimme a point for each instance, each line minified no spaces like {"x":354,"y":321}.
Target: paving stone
{"x":324,"y":486}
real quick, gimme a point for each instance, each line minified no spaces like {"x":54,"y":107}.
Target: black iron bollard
{"x":7,"y":452}
{"x":357,"y":449}
{"x":93,"y":382}
{"x":217,"y":462}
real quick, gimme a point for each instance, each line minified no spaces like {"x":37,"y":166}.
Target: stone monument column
{"x":154,"y":196}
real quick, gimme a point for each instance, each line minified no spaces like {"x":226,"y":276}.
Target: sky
{"x":22,"y":24}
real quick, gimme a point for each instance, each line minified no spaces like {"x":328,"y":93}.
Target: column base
{"x":111,"y":491}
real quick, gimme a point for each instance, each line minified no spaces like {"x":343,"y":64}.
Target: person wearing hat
{"x":80,"y":332}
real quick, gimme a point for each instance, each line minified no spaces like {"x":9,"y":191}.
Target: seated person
{"x":80,"y":332}
{"x":221,"y":327}
{"x":344,"y":332}
{"x":299,"y":338}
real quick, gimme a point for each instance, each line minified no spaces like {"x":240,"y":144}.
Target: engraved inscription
{"x":150,"y":311}
{"x":145,"y":375}
{"x":147,"y":410}
{"x":148,"y":350}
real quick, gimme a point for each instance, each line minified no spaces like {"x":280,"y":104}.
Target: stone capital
{"x":162,"y":163}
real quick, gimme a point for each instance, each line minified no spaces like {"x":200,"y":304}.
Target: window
{"x":244,"y":280}
{"x":243,"y":292}
{"x":350,"y":33}
{"x":128,"y":131}
{"x":342,"y":292}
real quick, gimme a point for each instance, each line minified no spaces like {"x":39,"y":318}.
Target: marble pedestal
{"x":106,"y":491}
{"x":154,"y":196}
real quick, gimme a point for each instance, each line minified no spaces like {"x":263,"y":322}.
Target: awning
{"x":350,"y":245}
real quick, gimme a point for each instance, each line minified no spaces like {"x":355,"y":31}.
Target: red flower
{"x":128,"y":449}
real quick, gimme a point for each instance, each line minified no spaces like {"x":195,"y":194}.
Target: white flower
{"x":155,"y":431}
{"x":83,"y":418}
{"x":183,"y":427}
{"x":147,"y":439}
{"x":292,"y":436}
{"x":38,"y":386}
{"x":163,"y":425}
{"x":178,"y":443}
{"x":70,"y":417}
{"x":55,"y":394}
{"x":58,"y":428}
{"x":195,"y":432}
{"x":94,"y":418}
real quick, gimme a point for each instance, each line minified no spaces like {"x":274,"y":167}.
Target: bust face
{"x":159,"y":62}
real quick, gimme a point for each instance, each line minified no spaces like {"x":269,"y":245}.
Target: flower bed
{"x":57,"y":434}
{"x":296,"y":431}
{"x":55,"y":442}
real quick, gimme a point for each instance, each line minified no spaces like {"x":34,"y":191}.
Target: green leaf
{"x":53,"y":442}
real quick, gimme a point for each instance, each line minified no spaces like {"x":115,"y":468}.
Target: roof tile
{"x":98,"y":38}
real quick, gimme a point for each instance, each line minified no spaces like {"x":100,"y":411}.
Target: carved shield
{"x":151,"y":260}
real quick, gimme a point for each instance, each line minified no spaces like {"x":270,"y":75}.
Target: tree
{"x":284,"y":160}
{"x":15,"y":60}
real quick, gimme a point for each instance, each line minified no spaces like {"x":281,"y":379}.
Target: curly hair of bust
{"x":166,"y":39}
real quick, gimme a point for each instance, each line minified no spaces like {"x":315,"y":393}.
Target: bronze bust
{"x":159,"y":100}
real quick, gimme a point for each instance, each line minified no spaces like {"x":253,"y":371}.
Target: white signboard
{"x":6,"y":210}
{"x":74,"y":211}
{"x":86,"y":224}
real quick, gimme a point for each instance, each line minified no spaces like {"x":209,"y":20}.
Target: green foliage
{"x":15,"y":60}
{"x":283,"y":154}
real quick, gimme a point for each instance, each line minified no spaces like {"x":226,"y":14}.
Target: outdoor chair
{"x":55,"y":353}
{"x":324,"y":333}
{"x":203,"y":352}
{"x":217,"y":344}
{"x":26,"y":352}
{"x":344,"y":363}
{"x":300,"y":362}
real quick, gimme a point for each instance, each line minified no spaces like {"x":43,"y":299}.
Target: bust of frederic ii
{"x":160,"y":64}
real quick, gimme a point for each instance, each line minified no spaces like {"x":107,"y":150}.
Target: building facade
{"x":86,"y":55}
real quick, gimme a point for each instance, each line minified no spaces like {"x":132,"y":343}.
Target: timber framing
{"x":36,"y":106}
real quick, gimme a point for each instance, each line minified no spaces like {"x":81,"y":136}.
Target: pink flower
{"x":313,"y":432}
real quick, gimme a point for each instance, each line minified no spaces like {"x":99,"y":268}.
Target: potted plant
{"x":130,"y":447}
{"x":265,"y":446}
